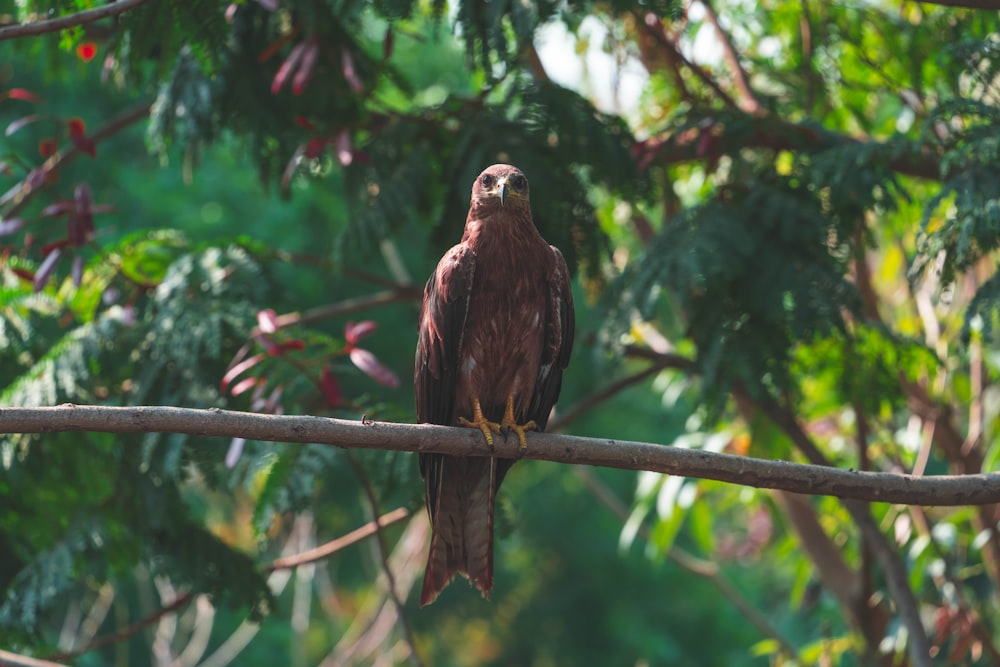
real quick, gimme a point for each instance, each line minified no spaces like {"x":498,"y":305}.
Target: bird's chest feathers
{"x":505,"y":324}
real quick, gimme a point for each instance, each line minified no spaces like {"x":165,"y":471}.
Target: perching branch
{"x":366,"y":434}
{"x":70,"y":20}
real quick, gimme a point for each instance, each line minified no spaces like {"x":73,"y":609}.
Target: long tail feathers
{"x":461,"y":506}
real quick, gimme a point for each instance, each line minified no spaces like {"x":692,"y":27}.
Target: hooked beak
{"x":502,"y":189}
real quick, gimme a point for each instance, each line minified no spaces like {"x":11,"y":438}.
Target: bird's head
{"x":500,"y":186}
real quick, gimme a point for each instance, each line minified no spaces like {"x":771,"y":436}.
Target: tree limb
{"x":748,"y":99}
{"x":366,"y":434}
{"x":70,"y":20}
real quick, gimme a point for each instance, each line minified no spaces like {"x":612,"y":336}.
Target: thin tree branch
{"x":18,"y":196}
{"x":967,"y":4}
{"x":748,"y":98}
{"x":896,"y":576}
{"x":383,"y":554}
{"x":70,"y":20}
{"x":426,"y":438}
{"x":283,"y":563}
{"x":8,"y":659}
{"x":702,"y":568}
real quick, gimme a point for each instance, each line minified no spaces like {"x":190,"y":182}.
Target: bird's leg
{"x":509,"y":423}
{"x":482,"y":423}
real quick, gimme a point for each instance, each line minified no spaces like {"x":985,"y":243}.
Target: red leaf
{"x":305,"y":70}
{"x":305,"y":123}
{"x":244,"y":385}
{"x":57,"y":245}
{"x":330,"y":387}
{"x":21,"y":122}
{"x":373,"y":368}
{"x":267,"y":321}
{"x":45,"y":270}
{"x":23,"y":273}
{"x":20,"y":94}
{"x":355,"y":332}
{"x":387,"y":43}
{"x":10,"y":225}
{"x":86,"y":51}
{"x":286,"y":68}
{"x":47,"y":147}
{"x":281,"y":348}
{"x":314,"y":147}
{"x":347,"y":63}
{"x":236,"y":370}
{"x":77,"y":128}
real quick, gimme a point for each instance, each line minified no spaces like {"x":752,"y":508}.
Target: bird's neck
{"x":500,"y":229}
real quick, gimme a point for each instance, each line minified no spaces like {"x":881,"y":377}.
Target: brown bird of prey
{"x":496,"y":330}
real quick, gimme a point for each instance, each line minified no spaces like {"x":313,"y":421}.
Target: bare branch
{"x":69,"y":21}
{"x":8,"y":659}
{"x":19,"y":195}
{"x":967,"y":4}
{"x":383,"y":554}
{"x":799,"y":478}
{"x":284,"y":563}
{"x":748,"y":98}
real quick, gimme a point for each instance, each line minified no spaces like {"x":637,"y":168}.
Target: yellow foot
{"x":509,"y":423}
{"x":482,"y":423}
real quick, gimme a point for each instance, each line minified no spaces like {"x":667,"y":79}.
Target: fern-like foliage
{"x":751,"y":274}
{"x":962,"y":222}
{"x":125,"y":506}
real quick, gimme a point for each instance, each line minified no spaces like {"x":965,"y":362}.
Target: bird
{"x":495,"y":335}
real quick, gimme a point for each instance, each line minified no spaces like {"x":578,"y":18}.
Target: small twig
{"x":698,"y":566}
{"x":17,"y":197}
{"x":69,"y":21}
{"x":589,"y":402}
{"x":748,"y":98}
{"x":673,"y":54}
{"x":349,"y":306}
{"x":128,"y":630}
{"x":287,"y":562}
{"x":968,"y":4}
{"x":918,"y":646}
{"x":383,"y":554}
{"x":8,"y":659}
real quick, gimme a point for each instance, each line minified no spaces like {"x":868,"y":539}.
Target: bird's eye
{"x":519,"y":182}
{"x":487,"y":181}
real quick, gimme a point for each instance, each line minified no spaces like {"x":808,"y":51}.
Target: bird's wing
{"x":560,"y":328}
{"x":442,"y":321}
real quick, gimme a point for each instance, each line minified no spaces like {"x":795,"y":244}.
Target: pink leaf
{"x":286,"y":68}
{"x":344,"y":154}
{"x":20,"y":94}
{"x":234,"y":452}
{"x":347,"y":63}
{"x":57,"y":209}
{"x":267,"y":321}
{"x":77,"y":271}
{"x":373,"y":368}
{"x":236,"y":370}
{"x":45,"y":270}
{"x":244,"y":385}
{"x":305,"y":70}
{"x":354,"y":332}
{"x":21,"y":122}
{"x":10,"y":225}
{"x":330,"y":387}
